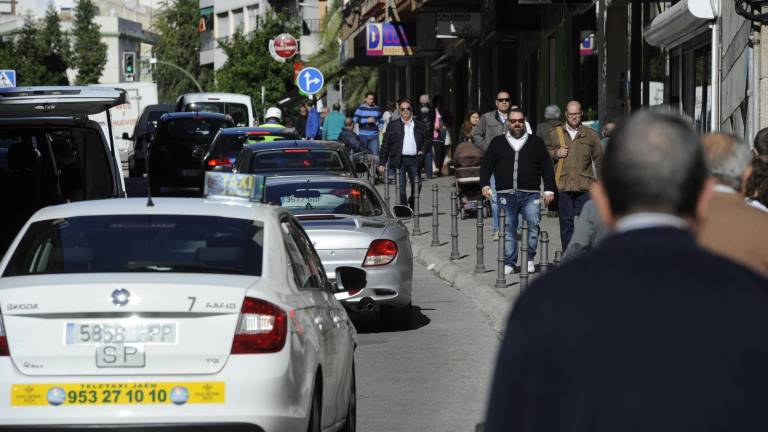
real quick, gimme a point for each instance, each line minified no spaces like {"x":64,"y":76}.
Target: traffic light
{"x":129,"y":62}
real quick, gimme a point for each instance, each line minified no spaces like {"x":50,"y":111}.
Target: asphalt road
{"x":432,"y":378}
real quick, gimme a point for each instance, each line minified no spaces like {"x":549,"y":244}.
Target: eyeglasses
{"x":513,"y":121}
{"x":578,"y":114}
{"x":405,"y":109}
{"x":502,"y":100}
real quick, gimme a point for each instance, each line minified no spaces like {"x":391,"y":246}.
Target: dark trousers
{"x":569,"y":206}
{"x":408,"y":165}
{"x":439,"y":151}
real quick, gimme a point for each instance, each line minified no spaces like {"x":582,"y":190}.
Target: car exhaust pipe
{"x":366,"y":305}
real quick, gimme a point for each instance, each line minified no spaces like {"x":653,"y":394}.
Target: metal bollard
{"x":435,"y":222}
{"x":397,"y":186}
{"x":480,"y":266}
{"x":501,"y":278}
{"x":544,"y":261}
{"x":416,"y":215}
{"x":386,"y":186}
{"x":524,"y":257}
{"x":454,"y":226}
{"x":557,"y":258}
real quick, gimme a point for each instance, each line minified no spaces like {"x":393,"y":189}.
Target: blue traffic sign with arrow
{"x":310,"y":80}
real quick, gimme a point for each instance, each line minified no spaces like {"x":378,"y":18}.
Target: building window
{"x":222,"y":25}
{"x":253,"y":17}
{"x":237,"y":20}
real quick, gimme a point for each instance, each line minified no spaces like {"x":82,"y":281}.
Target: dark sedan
{"x":177,"y":151}
{"x":297,"y":157}
{"x":228,"y":143}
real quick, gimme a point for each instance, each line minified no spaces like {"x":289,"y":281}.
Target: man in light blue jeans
{"x":526,"y":204}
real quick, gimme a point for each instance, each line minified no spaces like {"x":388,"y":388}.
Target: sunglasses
{"x":514,"y":121}
{"x":405,"y":109}
{"x":503,"y":100}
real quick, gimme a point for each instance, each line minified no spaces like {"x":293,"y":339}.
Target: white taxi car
{"x":183,"y":314}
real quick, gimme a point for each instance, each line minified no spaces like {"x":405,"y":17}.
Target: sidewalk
{"x":495,"y":302}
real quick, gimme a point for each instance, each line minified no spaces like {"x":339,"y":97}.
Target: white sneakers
{"x":531,"y":267}
{"x":508,"y":269}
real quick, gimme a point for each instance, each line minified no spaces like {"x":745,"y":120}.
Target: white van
{"x":52,"y":153}
{"x":238,"y":106}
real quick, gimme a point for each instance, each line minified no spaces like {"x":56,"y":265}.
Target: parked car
{"x":51,"y":153}
{"x":176,"y":152}
{"x":297,"y":157}
{"x":228,"y":143}
{"x":350,"y":225}
{"x":237,"y":106}
{"x":142,"y":134}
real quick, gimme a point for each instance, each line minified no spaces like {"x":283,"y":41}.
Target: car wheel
{"x":398,"y":318}
{"x":350,"y":425}
{"x":315,"y":424}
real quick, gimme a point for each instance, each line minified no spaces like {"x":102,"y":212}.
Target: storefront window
{"x":703,"y":88}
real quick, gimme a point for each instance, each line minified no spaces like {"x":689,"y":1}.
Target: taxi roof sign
{"x":230,"y":185}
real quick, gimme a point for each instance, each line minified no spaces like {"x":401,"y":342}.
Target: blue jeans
{"x":371,"y":143}
{"x":494,"y":204}
{"x":527,"y":204}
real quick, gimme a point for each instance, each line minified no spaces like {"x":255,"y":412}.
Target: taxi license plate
{"x":89,"y":333}
{"x":123,"y":393}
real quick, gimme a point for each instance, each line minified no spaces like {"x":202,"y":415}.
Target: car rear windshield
{"x":332,"y":197}
{"x":230,"y":143}
{"x":139,"y":243}
{"x":237,"y":111}
{"x":296,"y":159}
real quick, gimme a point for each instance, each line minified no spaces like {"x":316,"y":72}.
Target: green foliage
{"x":179,"y":43}
{"x":90,"y":53}
{"x":55,"y":49}
{"x":357,"y":80}
{"x":27,"y":54}
{"x":249,"y":65}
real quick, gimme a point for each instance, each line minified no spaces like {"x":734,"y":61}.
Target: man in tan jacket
{"x":574,"y":149}
{"x":731,"y":227}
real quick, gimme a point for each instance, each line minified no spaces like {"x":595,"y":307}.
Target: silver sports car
{"x":350,"y":225}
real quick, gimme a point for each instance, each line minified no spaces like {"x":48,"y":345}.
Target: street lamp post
{"x":154,"y":60}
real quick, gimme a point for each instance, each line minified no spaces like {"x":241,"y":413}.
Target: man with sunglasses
{"x":577,"y":153}
{"x":405,"y":142}
{"x":491,"y":125}
{"x":520,"y":162}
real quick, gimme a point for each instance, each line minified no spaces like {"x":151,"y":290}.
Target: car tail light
{"x":257,"y":133}
{"x":262,"y":328}
{"x":220,"y":161}
{"x":380,"y":252}
{"x":296,"y":151}
{"x":4,"y":351}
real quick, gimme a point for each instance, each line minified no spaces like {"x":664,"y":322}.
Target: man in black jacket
{"x":648,"y":332}
{"x":520,"y":162}
{"x":404,"y":145}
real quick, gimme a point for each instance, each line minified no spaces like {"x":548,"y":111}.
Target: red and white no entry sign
{"x":283,"y":47}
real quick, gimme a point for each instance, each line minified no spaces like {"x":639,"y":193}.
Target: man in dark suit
{"x":648,"y":332}
{"x":404,"y":144}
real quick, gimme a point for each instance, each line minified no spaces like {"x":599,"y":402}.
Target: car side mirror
{"x":350,"y":279}
{"x":402,"y":212}
{"x":126,"y":136}
{"x":361,"y":167}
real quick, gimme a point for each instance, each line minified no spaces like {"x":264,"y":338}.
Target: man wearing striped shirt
{"x":369,"y":121}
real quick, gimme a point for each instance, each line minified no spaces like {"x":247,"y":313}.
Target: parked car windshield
{"x":332,"y":197}
{"x":294,"y":159}
{"x":146,"y":243}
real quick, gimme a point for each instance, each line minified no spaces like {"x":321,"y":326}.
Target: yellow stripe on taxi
{"x":119,"y":393}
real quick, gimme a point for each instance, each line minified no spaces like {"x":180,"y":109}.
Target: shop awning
{"x":680,"y":22}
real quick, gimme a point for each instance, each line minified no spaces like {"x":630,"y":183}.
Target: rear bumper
{"x":262,"y":392}
{"x":388,"y":285}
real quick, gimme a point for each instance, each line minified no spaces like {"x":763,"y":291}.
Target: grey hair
{"x":727,"y":158}
{"x":654,"y":163}
{"x":551,"y":112}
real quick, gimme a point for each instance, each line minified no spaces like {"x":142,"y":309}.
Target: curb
{"x":490,"y":302}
